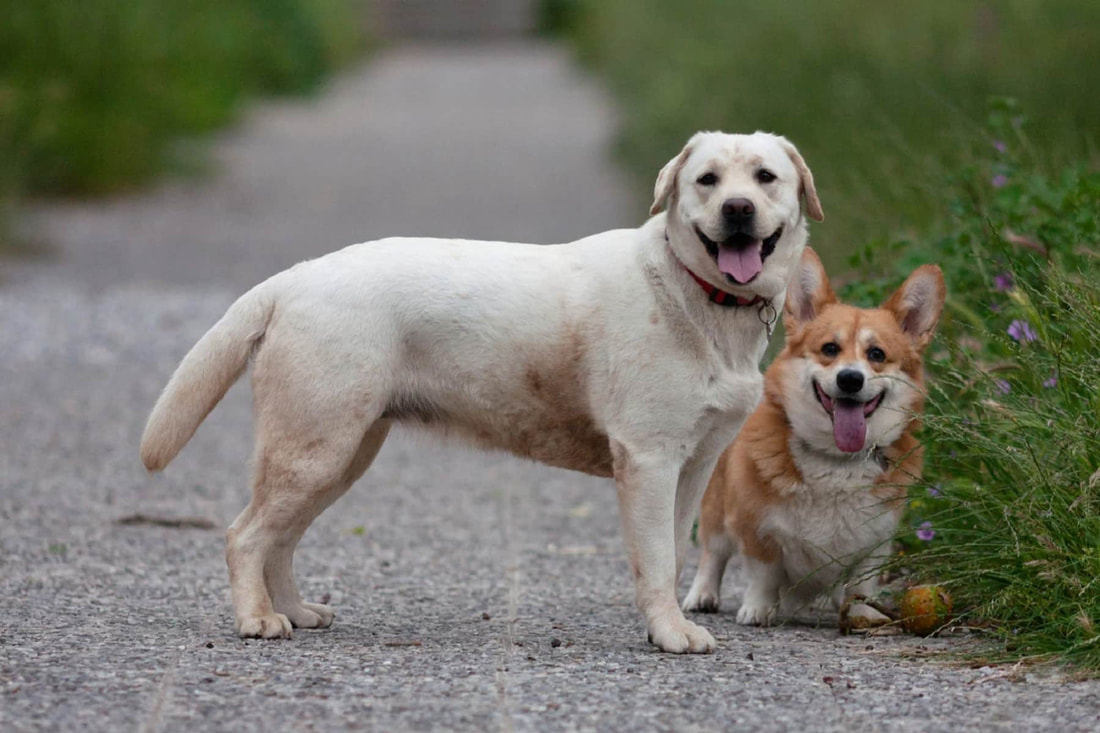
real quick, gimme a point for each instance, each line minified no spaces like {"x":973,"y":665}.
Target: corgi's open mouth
{"x":740,"y":257}
{"x":849,"y":418}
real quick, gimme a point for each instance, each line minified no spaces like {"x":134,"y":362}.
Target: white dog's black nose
{"x":849,"y":381}
{"x":738,"y":211}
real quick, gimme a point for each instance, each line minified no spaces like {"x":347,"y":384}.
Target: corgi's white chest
{"x":829,"y":522}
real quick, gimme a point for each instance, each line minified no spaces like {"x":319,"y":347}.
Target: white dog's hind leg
{"x":246,"y":550}
{"x":310,"y":446}
{"x":647,"y":502}
{"x":279,"y":570}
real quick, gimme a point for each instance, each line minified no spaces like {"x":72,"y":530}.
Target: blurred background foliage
{"x":881,"y":98}
{"x":94,"y":93}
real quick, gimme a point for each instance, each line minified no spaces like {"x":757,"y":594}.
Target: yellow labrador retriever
{"x":630,"y":354}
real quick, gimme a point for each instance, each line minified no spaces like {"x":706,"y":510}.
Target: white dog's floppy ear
{"x":666,"y":179}
{"x":813,"y":203}
{"x":808,"y":293}
{"x":918,"y":303}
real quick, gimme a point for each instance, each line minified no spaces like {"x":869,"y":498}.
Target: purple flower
{"x":934,"y":490}
{"x":1052,"y":381}
{"x":999,"y":180}
{"x":1022,"y":331}
{"x":925,"y":532}
{"x":1002,"y":282}
{"x":1000,"y":146}
{"x":1002,"y":386}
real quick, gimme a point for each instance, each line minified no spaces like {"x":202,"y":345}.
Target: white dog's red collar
{"x":721,"y":297}
{"x":717,"y":295}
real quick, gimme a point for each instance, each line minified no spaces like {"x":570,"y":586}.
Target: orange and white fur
{"x":811,"y":491}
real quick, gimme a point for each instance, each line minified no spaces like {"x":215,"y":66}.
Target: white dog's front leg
{"x":689,"y":494}
{"x":647,"y":488}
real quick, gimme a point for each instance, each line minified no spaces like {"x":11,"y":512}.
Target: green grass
{"x":881,"y":98}
{"x":94,"y":94}
{"x":1012,"y":477}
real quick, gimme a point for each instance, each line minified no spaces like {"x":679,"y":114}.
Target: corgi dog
{"x":811,"y":491}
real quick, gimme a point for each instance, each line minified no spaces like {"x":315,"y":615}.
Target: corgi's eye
{"x":876,"y":354}
{"x":707,"y":179}
{"x":830,"y":349}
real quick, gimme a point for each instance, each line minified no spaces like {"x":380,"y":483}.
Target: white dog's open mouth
{"x":849,"y":418}
{"x":740,"y":257}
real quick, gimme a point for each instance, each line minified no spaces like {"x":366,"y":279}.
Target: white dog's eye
{"x":707,"y":179}
{"x":765,"y":176}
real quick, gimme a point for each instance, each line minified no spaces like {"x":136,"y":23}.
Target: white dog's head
{"x":734,"y":213}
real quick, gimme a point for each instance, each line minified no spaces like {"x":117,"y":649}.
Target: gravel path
{"x":473,"y":591}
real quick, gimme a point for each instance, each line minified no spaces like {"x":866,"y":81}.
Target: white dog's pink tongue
{"x":849,"y":426}
{"x":740,"y":263}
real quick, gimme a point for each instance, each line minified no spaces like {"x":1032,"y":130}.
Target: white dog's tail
{"x":204,"y":376}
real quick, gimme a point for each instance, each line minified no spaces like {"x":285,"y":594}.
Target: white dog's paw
{"x":756,"y":614}
{"x":271,"y":626}
{"x":701,"y":600}
{"x":862,"y":616}
{"x":681,"y":637}
{"x":309,"y":615}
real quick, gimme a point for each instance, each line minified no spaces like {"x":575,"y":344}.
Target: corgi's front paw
{"x":756,"y":614}
{"x":862,"y":616}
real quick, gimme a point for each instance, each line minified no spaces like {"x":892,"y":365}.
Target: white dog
{"x":633,"y":353}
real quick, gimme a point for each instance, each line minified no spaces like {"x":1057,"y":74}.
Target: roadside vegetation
{"x":920,"y":156}
{"x":96,"y":96}
{"x":1007,"y":516}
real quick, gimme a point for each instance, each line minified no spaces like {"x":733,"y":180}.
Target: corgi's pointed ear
{"x":808,"y":292}
{"x":918,"y":303}
{"x":813,"y":203}
{"x":666,"y":179}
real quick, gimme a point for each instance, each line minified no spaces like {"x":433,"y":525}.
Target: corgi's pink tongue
{"x":849,"y":426}
{"x":740,"y":263}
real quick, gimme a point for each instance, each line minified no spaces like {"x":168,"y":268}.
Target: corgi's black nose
{"x":849,"y":380}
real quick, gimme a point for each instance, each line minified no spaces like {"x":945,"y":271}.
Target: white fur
{"x":601,"y":355}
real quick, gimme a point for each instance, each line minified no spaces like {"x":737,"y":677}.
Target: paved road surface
{"x":473,"y":591}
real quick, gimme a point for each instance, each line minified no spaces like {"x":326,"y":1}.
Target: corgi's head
{"x":850,"y":379}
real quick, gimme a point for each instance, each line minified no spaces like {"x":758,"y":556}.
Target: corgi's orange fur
{"x":811,"y":491}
